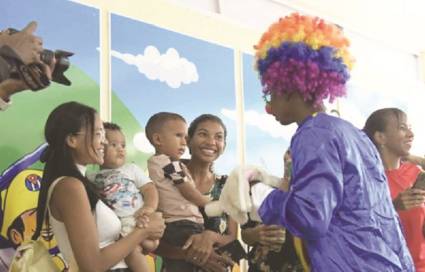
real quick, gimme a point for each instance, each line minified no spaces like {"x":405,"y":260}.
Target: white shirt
{"x":120,"y":188}
{"x":108,"y":229}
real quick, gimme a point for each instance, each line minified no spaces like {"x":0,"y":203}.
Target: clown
{"x":338,"y":201}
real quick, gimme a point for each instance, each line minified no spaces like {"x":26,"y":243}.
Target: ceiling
{"x":396,"y":23}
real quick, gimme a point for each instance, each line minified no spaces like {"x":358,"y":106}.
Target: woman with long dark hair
{"x":87,"y":231}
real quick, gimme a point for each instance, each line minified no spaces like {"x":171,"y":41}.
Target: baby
{"x":127,"y":190}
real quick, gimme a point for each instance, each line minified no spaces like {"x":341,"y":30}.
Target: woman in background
{"x":389,"y":130}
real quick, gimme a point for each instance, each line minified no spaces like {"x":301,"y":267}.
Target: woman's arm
{"x":409,"y":199}
{"x":263,"y":234}
{"x":172,"y":252}
{"x":203,"y":239}
{"x":250,"y":235}
{"x":71,"y":206}
{"x":201,"y":246}
{"x":221,"y":240}
{"x":214,"y":263}
{"x":150,"y":196}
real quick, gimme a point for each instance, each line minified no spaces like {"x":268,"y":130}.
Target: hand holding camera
{"x":25,"y":44}
{"x":29,"y":66}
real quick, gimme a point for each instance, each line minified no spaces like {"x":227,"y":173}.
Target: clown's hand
{"x":235,"y":199}
{"x":254,"y":175}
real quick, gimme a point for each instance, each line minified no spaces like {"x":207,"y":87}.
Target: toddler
{"x":178,"y":197}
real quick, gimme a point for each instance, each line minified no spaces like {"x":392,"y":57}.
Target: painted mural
{"x":193,"y":77}
{"x":21,"y":140}
{"x":266,"y":139}
{"x":155,"y":70}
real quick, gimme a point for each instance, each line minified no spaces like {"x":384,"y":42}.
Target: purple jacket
{"x":339,"y":202}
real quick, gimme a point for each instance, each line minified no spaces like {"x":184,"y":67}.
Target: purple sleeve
{"x":316,"y":190}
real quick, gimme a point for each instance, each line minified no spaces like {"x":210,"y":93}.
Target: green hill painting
{"x":23,"y":123}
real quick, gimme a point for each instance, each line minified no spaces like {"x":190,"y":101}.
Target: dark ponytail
{"x":66,"y":119}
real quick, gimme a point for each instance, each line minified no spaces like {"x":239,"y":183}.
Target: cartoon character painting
{"x":19,"y":187}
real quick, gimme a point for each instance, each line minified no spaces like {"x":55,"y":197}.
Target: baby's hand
{"x":142,"y":216}
{"x":144,"y":211}
{"x":185,"y":170}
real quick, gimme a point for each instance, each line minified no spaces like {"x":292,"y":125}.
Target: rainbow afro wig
{"x":306,"y":55}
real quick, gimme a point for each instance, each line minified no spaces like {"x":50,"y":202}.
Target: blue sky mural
{"x":361,"y":101}
{"x":154,"y":70}
{"x":62,"y":25}
{"x":266,"y":139}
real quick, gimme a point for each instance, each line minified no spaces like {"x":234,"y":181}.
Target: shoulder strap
{"x":49,"y":193}
{"x":37,"y":232}
{"x":72,"y":264}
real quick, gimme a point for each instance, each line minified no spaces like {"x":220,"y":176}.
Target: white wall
{"x":398,"y":23}
{"x":386,"y":41}
{"x":386,"y":38}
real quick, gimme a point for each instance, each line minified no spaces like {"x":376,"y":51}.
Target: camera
{"x":62,"y":64}
{"x":34,"y":75}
